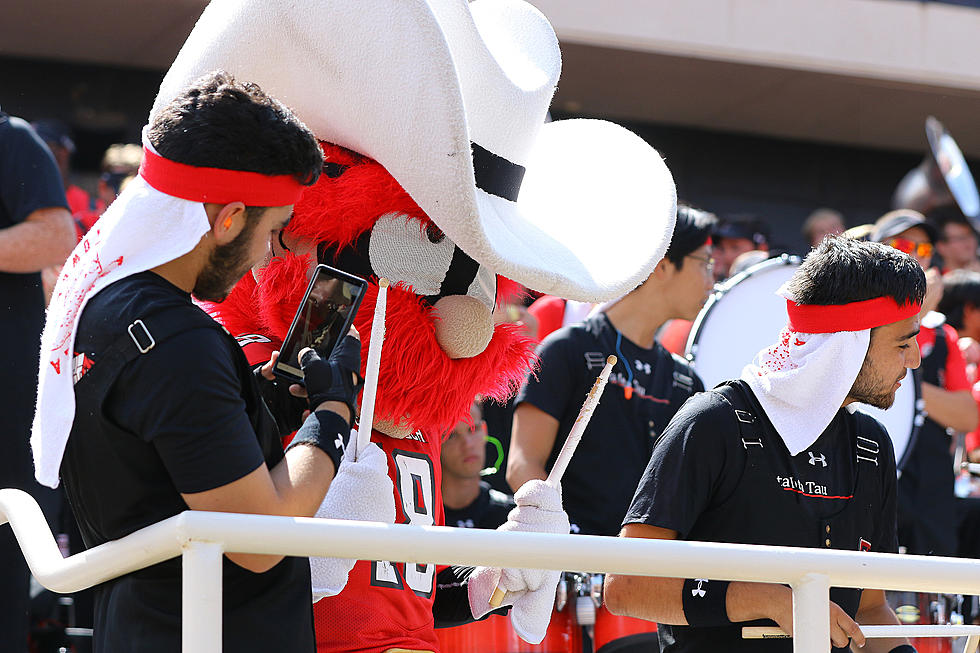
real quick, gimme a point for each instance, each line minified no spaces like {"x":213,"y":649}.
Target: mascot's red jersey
{"x":357,"y":218}
{"x":387,"y":604}
{"x":398,"y":611}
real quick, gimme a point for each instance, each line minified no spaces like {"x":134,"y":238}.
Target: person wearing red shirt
{"x":961,"y":306}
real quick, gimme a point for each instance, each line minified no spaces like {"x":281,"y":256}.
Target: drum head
{"x":745,"y":315}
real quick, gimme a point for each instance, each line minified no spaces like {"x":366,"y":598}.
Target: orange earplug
{"x":227,"y":223}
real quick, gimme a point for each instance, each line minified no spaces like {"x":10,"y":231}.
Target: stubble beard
{"x":867,"y":389}
{"x":226,"y":265}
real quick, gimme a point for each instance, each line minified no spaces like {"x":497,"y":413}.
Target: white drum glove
{"x":531,"y":592}
{"x":361,"y":491}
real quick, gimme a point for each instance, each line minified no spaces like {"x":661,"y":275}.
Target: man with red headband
{"x":147,"y":407}
{"x":781,"y":457}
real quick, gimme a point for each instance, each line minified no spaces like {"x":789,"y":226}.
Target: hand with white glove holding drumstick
{"x":531,"y":592}
{"x":361,"y":490}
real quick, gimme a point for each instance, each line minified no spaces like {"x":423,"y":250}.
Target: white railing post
{"x":811,"y":614}
{"x":201,"y":598}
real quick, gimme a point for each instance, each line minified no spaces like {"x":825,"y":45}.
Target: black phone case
{"x":319,"y":272}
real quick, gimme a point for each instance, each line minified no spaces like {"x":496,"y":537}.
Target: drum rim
{"x":722,"y":289}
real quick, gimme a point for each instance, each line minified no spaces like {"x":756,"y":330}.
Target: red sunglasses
{"x":922,"y":250}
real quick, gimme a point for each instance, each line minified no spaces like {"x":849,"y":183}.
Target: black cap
{"x":895,"y":222}
{"x":54,"y":132}
{"x":742,"y":227}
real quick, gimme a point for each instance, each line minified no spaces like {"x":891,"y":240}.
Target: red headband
{"x":856,"y":316}
{"x":218,"y":185}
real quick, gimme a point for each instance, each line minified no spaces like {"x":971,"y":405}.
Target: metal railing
{"x":203,"y":537}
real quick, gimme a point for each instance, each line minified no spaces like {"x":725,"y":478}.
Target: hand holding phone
{"x":324,"y":316}
{"x":334,"y":379}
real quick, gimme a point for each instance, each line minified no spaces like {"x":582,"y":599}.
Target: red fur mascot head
{"x":461,"y":125}
{"x":441,"y":347}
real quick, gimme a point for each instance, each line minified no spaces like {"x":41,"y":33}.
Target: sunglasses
{"x":922,"y":250}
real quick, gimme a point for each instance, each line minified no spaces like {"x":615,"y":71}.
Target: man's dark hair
{"x":842,"y":270}
{"x":951,"y":217}
{"x":691,"y":230}
{"x":219,"y":122}
{"x":940,"y":216}
{"x":960,"y":289}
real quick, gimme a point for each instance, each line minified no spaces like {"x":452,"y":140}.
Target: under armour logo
{"x":699,"y":591}
{"x":339,"y":442}
{"x":815,"y":459}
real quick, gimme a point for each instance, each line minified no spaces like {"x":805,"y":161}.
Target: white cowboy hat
{"x":450,"y":97}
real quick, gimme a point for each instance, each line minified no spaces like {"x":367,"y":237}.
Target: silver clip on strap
{"x":744,"y":416}
{"x":152,"y":343}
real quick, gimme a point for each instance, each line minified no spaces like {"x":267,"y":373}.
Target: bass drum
{"x":745,"y":315}
{"x":615,"y":634}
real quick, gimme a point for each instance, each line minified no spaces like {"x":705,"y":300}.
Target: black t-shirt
{"x":500,"y":420}
{"x":29,"y":180}
{"x":602,"y":475}
{"x":927,"y":515}
{"x":711,"y":481}
{"x":488,"y":510}
{"x":178,"y":419}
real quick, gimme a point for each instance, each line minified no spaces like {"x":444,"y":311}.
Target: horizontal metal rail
{"x":810,"y":572}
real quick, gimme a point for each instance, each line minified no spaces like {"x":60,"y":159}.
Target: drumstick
{"x":371,"y":369}
{"x":571,"y":442}
{"x":915,"y":630}
{"x":578,"y":428}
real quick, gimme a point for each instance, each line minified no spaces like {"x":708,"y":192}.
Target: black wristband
{"x":704,"y":602}
{"x":903,"y":648}
{"x":325,"y":430}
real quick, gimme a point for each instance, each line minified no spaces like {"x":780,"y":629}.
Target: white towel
{"x":803,"y":379}
{"x":142,"y":229}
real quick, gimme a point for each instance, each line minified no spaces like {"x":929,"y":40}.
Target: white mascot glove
{"x":531,"y":592}
{"x":361,"y":491}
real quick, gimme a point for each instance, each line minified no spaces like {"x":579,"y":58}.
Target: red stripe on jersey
{"x":814,"y":496}
{"x":257,"y":348}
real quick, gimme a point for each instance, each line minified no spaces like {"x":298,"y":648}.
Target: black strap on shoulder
{"x":749,"y":426}
{"x":140,"y":338}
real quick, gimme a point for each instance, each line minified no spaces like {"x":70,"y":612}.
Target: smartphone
{"x":323,"y":318}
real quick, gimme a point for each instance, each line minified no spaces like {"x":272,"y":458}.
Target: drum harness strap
{"x":139,"y":339}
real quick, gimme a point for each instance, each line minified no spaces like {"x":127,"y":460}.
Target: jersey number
{"x":416,"y":486}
